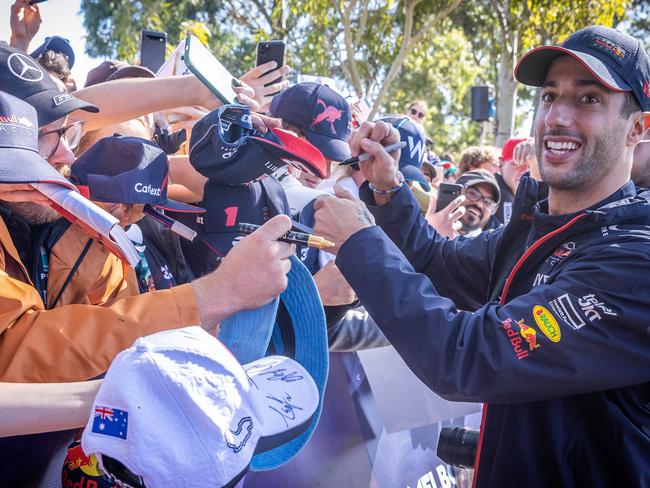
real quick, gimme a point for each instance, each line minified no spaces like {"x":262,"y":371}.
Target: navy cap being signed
{"x":412,"y":156}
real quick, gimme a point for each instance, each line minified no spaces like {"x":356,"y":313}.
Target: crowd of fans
{"x":68,"y":306}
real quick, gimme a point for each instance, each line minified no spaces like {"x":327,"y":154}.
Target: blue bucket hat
{"x":299,"y":332}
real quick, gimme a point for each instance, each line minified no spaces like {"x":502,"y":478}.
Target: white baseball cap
{"x":177,"y":409}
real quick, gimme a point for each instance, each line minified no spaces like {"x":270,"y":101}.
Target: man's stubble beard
{"x":33,"y":213}
{"x":588,"y":169}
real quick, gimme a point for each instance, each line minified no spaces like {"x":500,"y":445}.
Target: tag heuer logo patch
{"x":59,"y":99}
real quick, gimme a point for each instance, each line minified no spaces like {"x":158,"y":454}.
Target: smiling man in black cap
{"x":555,"y":339}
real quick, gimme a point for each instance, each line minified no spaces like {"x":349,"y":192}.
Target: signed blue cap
{"x":321,"y":113}
{"x":617,"y":60}
{"x":300,"y":333}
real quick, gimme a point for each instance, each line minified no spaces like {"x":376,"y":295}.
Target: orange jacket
{"x":75,"y":342}
{"x":101,"y":277}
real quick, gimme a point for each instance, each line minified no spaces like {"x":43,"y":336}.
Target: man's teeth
{"x":561,"y":147}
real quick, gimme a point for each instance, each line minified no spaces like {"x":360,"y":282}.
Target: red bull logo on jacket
{"x":520,"y":337}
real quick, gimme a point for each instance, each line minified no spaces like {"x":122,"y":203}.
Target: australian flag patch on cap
{"x":110,"y":421}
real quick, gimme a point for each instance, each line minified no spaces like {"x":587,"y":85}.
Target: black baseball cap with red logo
{"x":617,"y":60}
{"x":321,"y":113}
{"x":227,"y":206}
{"x":24,"y":78}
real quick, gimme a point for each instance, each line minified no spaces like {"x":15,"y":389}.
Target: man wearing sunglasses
{"x":482,"y":197}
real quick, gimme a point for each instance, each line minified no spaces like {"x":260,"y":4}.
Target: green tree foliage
{"x":441,"y":69}
{"x":503,"y":30}
{"x":231,"y":29}
{"x":391,"y":51}
{"x":637,"y":21}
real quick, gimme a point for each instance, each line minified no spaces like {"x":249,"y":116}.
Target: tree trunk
{"x":506,"y":99}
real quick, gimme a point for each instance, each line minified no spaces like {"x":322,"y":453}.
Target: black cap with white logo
{"x":24,"y":78}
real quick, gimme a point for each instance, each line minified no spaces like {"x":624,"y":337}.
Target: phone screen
{"x":447,"y":193}
{"x":202,"y":63}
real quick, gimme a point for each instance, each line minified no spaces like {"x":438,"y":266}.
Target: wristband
{"x":389,"y":190}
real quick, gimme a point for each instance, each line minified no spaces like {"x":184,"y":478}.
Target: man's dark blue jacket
{"x":557,"y":342}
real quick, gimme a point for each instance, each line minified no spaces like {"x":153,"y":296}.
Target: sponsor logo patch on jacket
{"x":520,"y":336}
{"x":547,"y":323}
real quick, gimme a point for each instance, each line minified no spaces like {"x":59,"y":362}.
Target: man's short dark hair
{"x":630,"y":105}
{"x":55,"y":63}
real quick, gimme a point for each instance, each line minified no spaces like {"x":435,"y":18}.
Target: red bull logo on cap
{"x":609,"y":46}
{"x":81,"y":471}
{"x":13,"y":119}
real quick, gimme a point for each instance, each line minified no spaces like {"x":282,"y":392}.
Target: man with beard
{"x":555,"y":341}
{"x":482,"y":197}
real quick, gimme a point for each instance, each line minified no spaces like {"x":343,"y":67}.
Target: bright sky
{"x":60,"y":18}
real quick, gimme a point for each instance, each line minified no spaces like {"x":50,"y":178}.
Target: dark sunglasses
{"x":416,"y":113}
